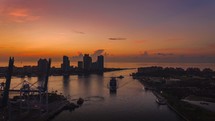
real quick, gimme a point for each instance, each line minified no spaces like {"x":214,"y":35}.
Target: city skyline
{"x":122,"y":30}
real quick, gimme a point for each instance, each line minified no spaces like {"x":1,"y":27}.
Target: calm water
{"x":131,"y":103}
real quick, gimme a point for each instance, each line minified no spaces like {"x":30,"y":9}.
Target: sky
{"x":122,"y":30}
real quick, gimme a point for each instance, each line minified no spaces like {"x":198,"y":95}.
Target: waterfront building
{"x":94,"y":66}
{"x":100,"y":63}
{"x":42,"y":65}
{"x":87,"y":62}
{"x":65,"y":66}
{"x":80,"y":65}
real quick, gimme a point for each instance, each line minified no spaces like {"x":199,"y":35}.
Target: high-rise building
{"x":87,"y":62}
{"x":65,"y":66}
{"x":42,"y":66}
{"x":80,"y":65}
{"x":100,"y":63}
{"x":94,"y":66}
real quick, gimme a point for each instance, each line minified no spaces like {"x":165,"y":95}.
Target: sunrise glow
{"x":122,"y":28}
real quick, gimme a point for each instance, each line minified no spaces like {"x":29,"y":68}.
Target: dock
{"x":53,"y":108}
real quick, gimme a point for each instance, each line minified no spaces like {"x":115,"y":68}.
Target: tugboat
{"x":120,"y":77}
{"x":113,"y":85}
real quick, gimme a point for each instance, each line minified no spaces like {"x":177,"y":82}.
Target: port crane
{"x":30,"y":96}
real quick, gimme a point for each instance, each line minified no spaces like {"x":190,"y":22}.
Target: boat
{"x":161,"y":101}
{"x":113,"y":85}
{"x":120,"y":77}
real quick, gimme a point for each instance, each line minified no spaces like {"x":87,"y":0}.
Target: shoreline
{"x":185,"y":110}
{"x":170,"y":106}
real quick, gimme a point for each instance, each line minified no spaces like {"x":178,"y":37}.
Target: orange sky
{"x":51,"y":29}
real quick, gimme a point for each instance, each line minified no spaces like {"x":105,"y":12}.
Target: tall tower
{"x":42,"y":65}
{"x":87,"y":62}
{"x":65,"y":66}
{"x":100,"y":63}
{"x":80,"y":65}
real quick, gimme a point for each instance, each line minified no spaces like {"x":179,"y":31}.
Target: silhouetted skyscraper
{"x":42,"y":65}
{"x":65,"y":66}
{"x":80,"y":65}
{"x":94,"y":66}
{"x":87,"y":62}
{"x":100,"y":63}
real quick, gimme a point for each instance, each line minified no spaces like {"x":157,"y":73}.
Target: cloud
{"x":78,"y":57}
{"x":153,"y":58}
{"x":175,"y":39}
{"x":97,"y":53}
{"x":18,"y":15}
{"x":106,"y":54}
{"x":139,"y":41}
{"x":6,"y":47}
{"x":165,"y":54}
{"x":117,"y":38}
{"x":211,"y":45}
{"x":94,"y":56}
{"x":22,"y":15}
{"x":145,"y":54}
{"x":78,"y":32}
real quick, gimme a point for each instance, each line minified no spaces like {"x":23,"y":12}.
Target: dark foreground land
{"x":178,"y":86}
{"x":36,"y":108}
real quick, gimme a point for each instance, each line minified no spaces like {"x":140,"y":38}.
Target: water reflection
{"x":130,"y":102}
{"x":66,"y":85}
{"x":113,"y":94}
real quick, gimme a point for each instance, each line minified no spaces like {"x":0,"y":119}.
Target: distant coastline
{"x":122,"y":64}
{"x":54,"y":72}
